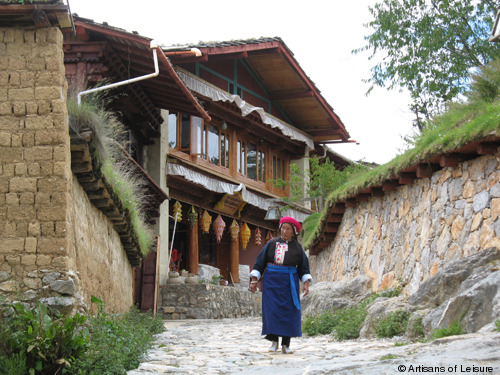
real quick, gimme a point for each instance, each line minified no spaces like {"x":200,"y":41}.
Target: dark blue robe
{"x":281,"y":314}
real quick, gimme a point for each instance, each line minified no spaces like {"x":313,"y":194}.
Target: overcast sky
{"x":320,"y":33}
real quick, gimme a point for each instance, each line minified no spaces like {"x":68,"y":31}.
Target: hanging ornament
{"x":219,"y":226}
{"x":178,"y":211}
{"x":269,"y":235}
{"x":235,"y":230}
{"x":192,"y":217}
{"x":258,"y":237}
{"x":206,"y":220}
{"x":245,"y":235}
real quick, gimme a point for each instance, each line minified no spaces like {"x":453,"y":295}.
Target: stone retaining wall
{"x":408,"y":235}
{"x":207,"y":301}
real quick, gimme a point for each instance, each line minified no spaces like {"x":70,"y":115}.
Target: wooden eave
{"x":128,"y":55}
{"x":37,"y":14}
{"x":197,"y":195}
{"x":423,"y":169}
{"x":288,"y":85}
{"x":101,"y":195}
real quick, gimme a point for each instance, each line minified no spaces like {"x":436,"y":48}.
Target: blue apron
{"x":281,"y":313}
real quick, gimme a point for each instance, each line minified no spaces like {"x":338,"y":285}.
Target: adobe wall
{"x":53,"y":246}
{"x":35,"y":174}
{"x":407,"y":235}
{"x":103,"y":267}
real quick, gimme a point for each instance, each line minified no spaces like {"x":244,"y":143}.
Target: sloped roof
{"x":283,"y":78}
{"x":130,"y":54}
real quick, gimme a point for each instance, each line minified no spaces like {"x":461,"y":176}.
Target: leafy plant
{"x":418,"y":327}
{"x":215,"y":279}
{"x":344,"y":324}
{"x":454,"y":329}
{"x":34,"y":339}
{"x":117,"y":342}
{"x":393,"y":324}
{"x":497,"y":325}
{"x":391,"y":292}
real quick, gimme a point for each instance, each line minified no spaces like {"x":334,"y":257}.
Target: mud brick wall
{"x":35,"y":173}
{"x":54,"y":245}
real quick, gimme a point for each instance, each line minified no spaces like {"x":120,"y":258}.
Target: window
{"x":251,"y":161}
{"x":185,"y":132}
{"x":191,"y":135}
{"x":213,"y":145}
{"x":172,"y":130}
{"x":279,"y":169}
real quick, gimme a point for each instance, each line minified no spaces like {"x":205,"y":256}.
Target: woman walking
{"x":282,"y":262}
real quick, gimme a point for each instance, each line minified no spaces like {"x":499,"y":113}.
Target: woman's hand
{"x":253,"y":284}
{"x":306,"y":288}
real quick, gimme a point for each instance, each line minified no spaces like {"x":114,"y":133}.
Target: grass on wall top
{"x":460,"y":125}
{"x":116,"y":170}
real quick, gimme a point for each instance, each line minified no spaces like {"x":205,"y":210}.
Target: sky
{"x":320,"y":33}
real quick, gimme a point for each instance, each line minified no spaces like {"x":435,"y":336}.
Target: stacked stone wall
{"x":207,"y":301}
{"x":408,"y":235}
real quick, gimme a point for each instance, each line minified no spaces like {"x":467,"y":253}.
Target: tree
{"x":430,"y":48}
{"x":319,"y":180}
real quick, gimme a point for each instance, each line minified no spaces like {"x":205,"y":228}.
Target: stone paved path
{"x":234,"y":346}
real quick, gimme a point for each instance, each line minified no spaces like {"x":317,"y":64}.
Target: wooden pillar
{"x":193,"y":249}
{"x":234,"y":261}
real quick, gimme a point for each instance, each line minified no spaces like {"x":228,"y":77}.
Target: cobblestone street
{"x":234,"y":346}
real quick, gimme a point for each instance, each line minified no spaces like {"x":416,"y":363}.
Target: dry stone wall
{"x":408,"y":235}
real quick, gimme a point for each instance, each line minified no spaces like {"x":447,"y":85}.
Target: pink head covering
{"x":290,"y":220}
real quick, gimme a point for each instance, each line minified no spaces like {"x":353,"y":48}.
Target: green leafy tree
{"x":430,"y":48}
{"x":317,"y":182}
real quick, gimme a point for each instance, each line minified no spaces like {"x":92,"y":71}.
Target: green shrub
{"x":321,"y":324}
{"x":41,"y":342}
{"x":418,"y":327}
{"x":454,"y":329}
{"x":35,"y":341}
{"x":344,"y":324}
{"x":393,"y":324}
{"x":118,"y":342}
{"x":497,"y":325}
{"x":391,"y":292}
{"x":13,"y":365}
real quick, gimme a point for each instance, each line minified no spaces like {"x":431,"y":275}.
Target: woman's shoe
{"x":286,"y":350}
{"x":273,"y":347}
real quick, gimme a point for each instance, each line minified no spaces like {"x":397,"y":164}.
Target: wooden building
{"x":213,"y":130}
